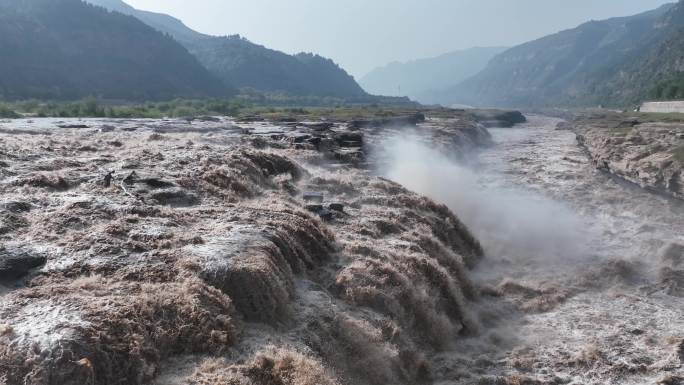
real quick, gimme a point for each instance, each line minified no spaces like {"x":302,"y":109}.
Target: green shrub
{"x":7,"y":113}
{"x":672,"y":88}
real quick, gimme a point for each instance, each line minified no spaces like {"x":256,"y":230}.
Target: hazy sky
{"x":363,"y":34}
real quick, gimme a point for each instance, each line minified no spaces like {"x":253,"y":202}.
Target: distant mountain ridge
{"x":614,"y":62}
{"x":66,"y":49}
{"x":663,"y":65}
{"x":161,"y":22}
{"x":244,"y":64}
{"x":423,"y":79}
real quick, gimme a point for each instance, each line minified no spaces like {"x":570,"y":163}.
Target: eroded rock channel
{"x":147,"y":251}
{"x":290,"y":252}
{"x":581,"y":283}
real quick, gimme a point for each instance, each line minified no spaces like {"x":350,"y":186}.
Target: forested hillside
{"x":615,"y":62}
{"x":67,"y":49}
{"x":241,"y":63}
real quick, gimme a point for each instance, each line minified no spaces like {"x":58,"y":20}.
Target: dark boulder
{"x":17,"y":262}
{"x":73,"y":126}
{"x":175,"y":197}
{"x":322,"y":212}
{"x":349,"y":139}
{"x":498,"y":118}
{"x":18,"y":206}
{"x":513,"y":117}
{"x":10,"y":221}
{"x":301,"y":138}
{"x":316,"y":141}
{"x":314,"y":208}
{"x":156,"y":183}
{"x":131,"y":178}
{"x":336,"y":207}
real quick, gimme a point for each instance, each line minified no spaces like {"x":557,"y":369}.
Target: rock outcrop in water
{"x":199,"y":262}
{"x":642,"y":150}
{"x":497,"y":118}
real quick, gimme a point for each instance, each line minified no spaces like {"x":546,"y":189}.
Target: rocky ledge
{"x":644,"y":149}
{"x":224,"y":252}
{"x":497,"y":118}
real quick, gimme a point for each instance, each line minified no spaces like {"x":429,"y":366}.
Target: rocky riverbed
{"x":643,"y":150}
{"x":222,"y":252}
{"x":406,"y":249}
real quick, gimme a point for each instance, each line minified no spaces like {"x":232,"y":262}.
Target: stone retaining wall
{"x":664,"y":107}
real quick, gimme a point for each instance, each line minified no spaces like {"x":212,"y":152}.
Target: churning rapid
{"x":581,"y":267}
{"x":255,"y":251}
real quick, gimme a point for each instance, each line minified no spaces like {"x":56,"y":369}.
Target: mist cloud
{"x":511,"y":223}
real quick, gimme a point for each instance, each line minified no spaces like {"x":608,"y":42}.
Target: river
{"x":573,"y":280}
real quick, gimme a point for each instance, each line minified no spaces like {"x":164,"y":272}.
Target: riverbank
{"x":582,"y":271}
{"x":646,"y":149}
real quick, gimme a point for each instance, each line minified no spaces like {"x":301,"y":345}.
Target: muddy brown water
{"x":574,"y":254}
{"x":630,"y":330}
{"x":572,"y":290}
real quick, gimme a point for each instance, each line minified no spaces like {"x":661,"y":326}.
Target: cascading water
{"x":574,"y":259}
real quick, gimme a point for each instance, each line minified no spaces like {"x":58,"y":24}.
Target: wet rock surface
{"x":647,"y":152}
{"x":16,"y":262}
{"x":182,"y":252}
